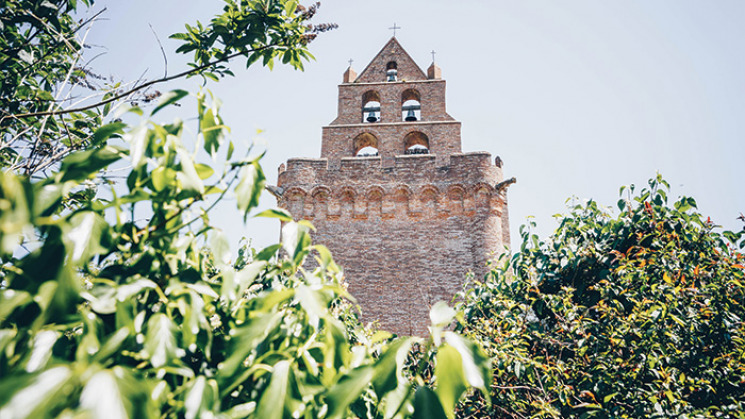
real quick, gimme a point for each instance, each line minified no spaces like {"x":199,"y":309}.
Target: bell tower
{"x":403,"y":210}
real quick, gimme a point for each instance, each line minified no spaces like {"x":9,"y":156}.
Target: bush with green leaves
{"x":109,"y":316}
{"x":636,"y":315}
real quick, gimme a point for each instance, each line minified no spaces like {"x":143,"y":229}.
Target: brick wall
{"x":405,"y":228}
{"x":405,"y":235}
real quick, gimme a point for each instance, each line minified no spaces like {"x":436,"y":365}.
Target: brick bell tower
{"x":403,"y":210}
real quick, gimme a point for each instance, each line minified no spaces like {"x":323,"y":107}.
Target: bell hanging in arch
{"x":371,"y":117}
{"x":411,"y":116}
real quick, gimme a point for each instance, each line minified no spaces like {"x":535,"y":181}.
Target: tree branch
{"x":140,"y":87}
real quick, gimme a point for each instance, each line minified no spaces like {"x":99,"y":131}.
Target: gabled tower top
{"x":391,"y":57}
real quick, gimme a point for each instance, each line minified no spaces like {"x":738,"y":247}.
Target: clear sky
{"x":578,"y":97}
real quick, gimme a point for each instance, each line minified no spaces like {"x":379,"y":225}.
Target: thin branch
{"x":162,"y":51}
{"x":140,"y":87}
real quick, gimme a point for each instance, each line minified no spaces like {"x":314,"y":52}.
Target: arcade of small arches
{"x":367,"y":144}
{"x":455,"y":199}
{"x":411,"y":107}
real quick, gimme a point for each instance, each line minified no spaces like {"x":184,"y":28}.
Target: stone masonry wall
{"x":405,"y":235}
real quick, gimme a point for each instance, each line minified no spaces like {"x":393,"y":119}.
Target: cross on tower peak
{"x":433,"y":56}
{"x":350,"y":62}
{"x":394,"y":27}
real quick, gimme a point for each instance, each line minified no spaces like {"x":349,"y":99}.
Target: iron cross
{"x":433,"y":55}
{"x":394,"y":27}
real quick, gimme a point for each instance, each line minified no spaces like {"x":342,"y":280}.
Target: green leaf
{"x":83,"y":164}
{"x":427,"y":405}
{"x":244,"y":341}
{"x":249,"y":188}
{"x":220,"y":247}
{"x":201,"y":399}
{"x":282,"y":214}
{"x":10,"y":300}
{"x":451,"y":381}
{"x":163,"y":178}
{"x":160,"y":343}
{"x":86,"y":236}
{"x":347,"y":390}
{"x":34,"y":396}
{"x":272,"y":402}
{"x":102,"y":397}
{"x":190,"y":180}
{"x":169,"y":98}
{"x":212,"y":130}
{"x":204,"y":171}
{"x":476,"y":365}
{"x":137,"y":139}
{"x":107,"y":131}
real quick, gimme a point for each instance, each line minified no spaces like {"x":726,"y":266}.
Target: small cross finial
{"x":433,"y":56}
{"x":394,"y":27}
{"x":350,"y":62}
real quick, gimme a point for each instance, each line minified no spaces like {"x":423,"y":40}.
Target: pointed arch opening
{"x":365,"y":145}
{"x":371,"y":107}
{"x":411,"y":107}
{"x":416,"y":142}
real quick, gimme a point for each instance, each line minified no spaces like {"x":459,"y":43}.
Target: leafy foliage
{"x":111,"y":315}
{"x":639,"y":315}
{"x":43,"y":70}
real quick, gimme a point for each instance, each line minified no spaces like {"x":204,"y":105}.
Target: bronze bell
{"x":371,"y":117}
{"x":411,"y":116}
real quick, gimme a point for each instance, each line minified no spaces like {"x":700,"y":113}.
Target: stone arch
{"x":402,"y":199}
{"x":374,"y":198}
{"x":295,"y":201}
{"x":456,"y":197}
{"x":375,"y":193}
{"x":391,"y":71}
{"x":321,"y":196}
{"x":365,"y":144}
{"x":416,"y":142}
{"x":411,"y":107}
{"x":371,"y":106}
{"x":429,"y":197}
{"x":429,"y":193}
{"x":347,"y":197}
{"x":482,"y":193}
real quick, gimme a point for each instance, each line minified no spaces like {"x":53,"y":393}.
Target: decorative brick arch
{"x":371,"y":106}
{"x":416,"y":140}
{"x":346,"y":193}
{"x":456,"y":198}
{"x":429,"y":192}
{"x":375,"y":193}
{"x":364,"y":139}
{"x":322,"y":191}
{"x":294,"y":200}
{"x":482,"y":193}
{"x":411,"y":105}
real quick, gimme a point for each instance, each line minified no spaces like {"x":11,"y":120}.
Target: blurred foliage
{"x":107,"y":315}
{"x":636,"y":315}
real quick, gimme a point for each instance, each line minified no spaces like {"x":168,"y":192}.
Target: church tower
{"x":403,"y":210}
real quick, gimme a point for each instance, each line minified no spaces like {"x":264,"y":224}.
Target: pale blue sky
{"x":578,"y":97}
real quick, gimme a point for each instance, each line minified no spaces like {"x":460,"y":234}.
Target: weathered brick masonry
{"x":408,"y":223}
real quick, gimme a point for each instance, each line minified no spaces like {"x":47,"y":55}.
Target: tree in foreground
{"x":122,"y":300}
{"x":636,"y":315}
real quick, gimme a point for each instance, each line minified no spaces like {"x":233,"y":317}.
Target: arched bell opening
{"x":411,"y":108}
{"x":416,"y":143}
{"x":391,"y":71}
{"x":365,"y":145}
{"x":371,"y":107}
